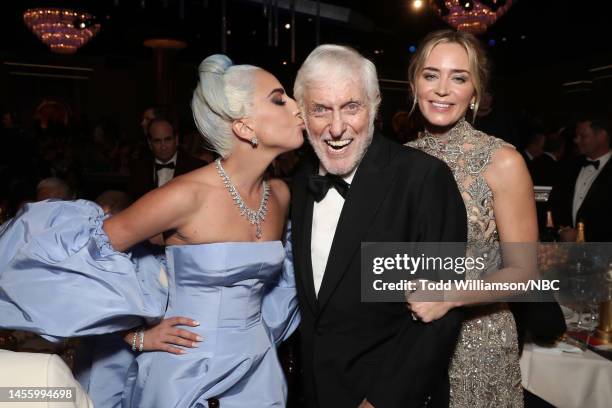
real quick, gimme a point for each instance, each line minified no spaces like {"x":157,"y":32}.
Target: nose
{"x":338,"y":125}
{"x":292,"y":102}
{"x":442,"y":87}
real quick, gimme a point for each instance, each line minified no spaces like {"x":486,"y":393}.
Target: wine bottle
{"x":604,"y":329}
{"x":580,"y":236}
{"x":549,"y":234}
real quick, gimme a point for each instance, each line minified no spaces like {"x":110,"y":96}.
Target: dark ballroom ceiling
{"x":537,"y":48}
{"x":532,"y":33}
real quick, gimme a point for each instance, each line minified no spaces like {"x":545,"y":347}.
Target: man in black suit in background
{"x":362,"y":187}
{"x":545,"y":169}
{"x":167,"y":162}
{"x":585,"y":191}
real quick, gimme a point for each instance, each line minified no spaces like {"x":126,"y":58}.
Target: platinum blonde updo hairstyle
{"x":224,"y":93}
{"x":331,"y":62}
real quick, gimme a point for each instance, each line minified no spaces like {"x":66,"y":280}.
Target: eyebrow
{"x":279,"y":90}
{"x":318,"y":104}
{"x":322,"y":105}
{"x":452,"y":70}
{"x":351,"y":101}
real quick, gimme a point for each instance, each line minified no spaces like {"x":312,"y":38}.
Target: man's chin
{"x":341,"y":167}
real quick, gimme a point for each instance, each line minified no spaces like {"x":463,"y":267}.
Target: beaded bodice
{"x":484,"y":370}
{"x":468,"y":152}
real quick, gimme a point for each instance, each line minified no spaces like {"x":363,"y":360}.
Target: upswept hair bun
{"x":224,"y":93}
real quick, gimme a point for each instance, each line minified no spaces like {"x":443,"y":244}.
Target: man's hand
{"x":420,"y":304}
{"x":365,"y":404}
{"x":165,"y":336}
{"x":427,"y":312}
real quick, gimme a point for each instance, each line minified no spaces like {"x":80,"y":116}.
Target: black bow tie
{"x":159,"y":166}
{"x":587,"y":163}
{"x":320,"y":185}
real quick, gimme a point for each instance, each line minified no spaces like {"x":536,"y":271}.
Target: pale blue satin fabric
{"x":103,"y":361}
{"x":102,"y":367}
{"x":60,"y":277}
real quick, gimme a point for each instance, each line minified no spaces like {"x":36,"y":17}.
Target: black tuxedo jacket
{"x":595,"y":209}
{"x":544,"y":170}
{"x":353,"y":350}
{"x":141,"y":179}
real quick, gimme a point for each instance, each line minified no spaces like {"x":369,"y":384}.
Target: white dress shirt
{"x":552,"y":156}
{"x":325,"y":216}
{"x":165,"y":175}
{"x":585,"y":179}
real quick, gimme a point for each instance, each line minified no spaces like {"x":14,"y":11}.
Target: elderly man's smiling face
{"x":337,"y":116}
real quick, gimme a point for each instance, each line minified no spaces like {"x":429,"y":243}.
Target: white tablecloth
{"x":567,"y":380}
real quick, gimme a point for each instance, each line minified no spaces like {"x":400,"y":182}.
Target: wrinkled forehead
{"x":335,"y":90}
{"x":161,"y":130}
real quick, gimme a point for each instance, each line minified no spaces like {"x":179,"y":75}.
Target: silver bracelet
{"x":134,"y":340}
{"x":141,"y":345}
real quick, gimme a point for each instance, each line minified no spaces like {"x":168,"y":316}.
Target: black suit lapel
{"x":152,"y":178}
{"x":566,"y":200}
{"x":301,"y":224}
{"x":598,"y":183}
{"x":180,"y":165}
{"x":368,"y":189}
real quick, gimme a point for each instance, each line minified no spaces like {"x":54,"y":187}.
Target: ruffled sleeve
{"x":61,"y":277}
{"x":280,"y":305}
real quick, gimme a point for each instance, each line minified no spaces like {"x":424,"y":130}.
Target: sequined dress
{"x":484,"y":370}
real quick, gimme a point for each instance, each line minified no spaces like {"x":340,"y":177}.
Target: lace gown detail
{"x":484,"y":370}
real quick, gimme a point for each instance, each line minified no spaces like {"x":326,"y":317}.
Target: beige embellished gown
{"x":484,"y":370}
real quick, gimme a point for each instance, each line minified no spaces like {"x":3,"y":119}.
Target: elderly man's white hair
{"x":330,"y":62}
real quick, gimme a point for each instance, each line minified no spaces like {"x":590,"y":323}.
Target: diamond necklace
{"x":254,"y":217}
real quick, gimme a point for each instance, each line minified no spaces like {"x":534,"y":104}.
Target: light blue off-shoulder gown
{"x":60,"y":277}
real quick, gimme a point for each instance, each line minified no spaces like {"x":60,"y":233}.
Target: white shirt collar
{"x":552,"y":156}
{"x":172,"y":160}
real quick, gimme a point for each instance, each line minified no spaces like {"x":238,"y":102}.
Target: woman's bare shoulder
{"x":507,"y":169}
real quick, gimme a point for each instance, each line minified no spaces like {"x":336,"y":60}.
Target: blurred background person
{"x":584,"y":192}
{"x":113,"y":201}
{"x":167,"y":161}
{"x":545,"y":169}
{"x":53,"y":187}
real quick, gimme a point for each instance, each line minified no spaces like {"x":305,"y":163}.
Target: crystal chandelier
{"x":471,"y":15}
{"x":63,"y":30}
